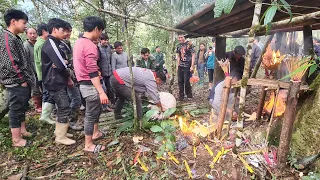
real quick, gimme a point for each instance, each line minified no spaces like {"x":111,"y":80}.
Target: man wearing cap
{"x":236,"y":59}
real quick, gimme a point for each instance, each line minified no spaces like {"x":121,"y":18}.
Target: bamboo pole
{"x":223,"y":105}
{"x":141,"y":21}
{"x":261,"y":103}
{"x":287,"y":125}
{"x":258,"y":64}
{"x":173,"y":61}
{"x":245,"y":76}
{"x":133,"y":93}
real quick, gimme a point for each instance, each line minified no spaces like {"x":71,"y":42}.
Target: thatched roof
{"x":203,"y":22}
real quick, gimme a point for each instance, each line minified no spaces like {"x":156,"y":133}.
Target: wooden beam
{"x":142,"y":21}
{"x":236,"y":9}
{"x":261,"y":102}
{"x":220,"y":53}
{"x":270,"y":84}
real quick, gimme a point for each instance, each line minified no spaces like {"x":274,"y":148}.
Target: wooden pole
{"x":308,"y":46}
{"x":261,"y":103}
{"x":221,"y":44}
{"x":272,"y":113}
{"x":245,"y":76}
{"x":258,"y":64}
{"x":287,"y":125}
{"x":173,"y":61}
{"x":223,"y":105}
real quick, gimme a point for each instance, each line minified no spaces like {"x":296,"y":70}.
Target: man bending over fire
{"x":145,"y":81}
{"x":215,"y":97}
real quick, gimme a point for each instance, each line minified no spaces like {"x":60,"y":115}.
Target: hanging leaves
{"x":287,"y":7}
{"x":218,"y":8}
{"x":223,"y":6}
{"x":228,"y":6}
{"x":270,"y":13}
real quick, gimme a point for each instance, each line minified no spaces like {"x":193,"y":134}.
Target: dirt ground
{"x":48,"y":160}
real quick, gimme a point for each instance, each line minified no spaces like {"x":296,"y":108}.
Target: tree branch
{"x":141,"y":21}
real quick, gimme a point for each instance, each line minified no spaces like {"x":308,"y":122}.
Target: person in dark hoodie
{"x":56,"y":76}
{"x":16,"y":74}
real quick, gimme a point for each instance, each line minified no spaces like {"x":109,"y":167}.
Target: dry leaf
{"x":137,"y":139}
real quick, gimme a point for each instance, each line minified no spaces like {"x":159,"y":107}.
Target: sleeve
{"x":37,"y":61}
{"x":192,"y":50}
{"x":91,"y":58}
{"x":13,"y":56}
{"x":153,"y":65}
{"x":152,"y":90}
{"x":113,"y":62}
{"x":178,"y":50}
{"x":25,"y":46}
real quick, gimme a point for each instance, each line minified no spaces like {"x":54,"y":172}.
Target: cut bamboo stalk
{"x":223,"y":105}
{"x":233,"y":106}
{"x":261,"y":103}
{"x":287,"y":125}
{"x":272,"y":113}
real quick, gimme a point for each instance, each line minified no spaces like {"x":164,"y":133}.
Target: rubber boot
{"x":46,"y":112}
{"x":61,"y":134}
{"x":37,"y":100}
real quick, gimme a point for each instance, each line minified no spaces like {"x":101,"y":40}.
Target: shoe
{"x":75,"y":126}
{"x":82,"y":108}
{"x":61,"y":134}
{"x":37,"y":100}
{"x":45,"y":114}
{"x":107,"y":109}
{"x":189,"y":98}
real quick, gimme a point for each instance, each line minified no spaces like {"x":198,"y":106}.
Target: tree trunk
{"x":220,"y":53}
{"x":3,"y":102}
{"x":173,"y":61}
{"x":287,"y":125}
{"x":245,"y":77}
{"x":133,"y":94}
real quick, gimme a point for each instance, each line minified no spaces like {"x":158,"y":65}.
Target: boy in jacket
{"x":16,"y":74}
{"x":56,"y":77}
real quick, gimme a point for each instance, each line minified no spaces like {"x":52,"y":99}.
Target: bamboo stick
{"x":287,"y":125}
{"x":245,"y":76}
{"x":223,"y":105}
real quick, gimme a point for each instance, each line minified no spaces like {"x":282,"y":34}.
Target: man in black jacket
{"x":16,"y":74}
{"x":56,"y":77}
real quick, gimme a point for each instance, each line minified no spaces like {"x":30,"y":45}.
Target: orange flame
{"x":271,"y":59}
{"x":194,"y":128}
{"x":280,"y":104}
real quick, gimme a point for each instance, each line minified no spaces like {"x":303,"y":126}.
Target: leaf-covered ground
{"x":48,"y":160}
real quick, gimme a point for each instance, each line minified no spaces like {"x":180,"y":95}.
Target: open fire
{"x":280,"y":104}
{"x":194,"y":130}
{"x":272,"y":59}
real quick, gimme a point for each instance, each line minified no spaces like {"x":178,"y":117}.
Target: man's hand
{"x":103,"y":98}
{"x":70,"y":83}
{"x":25,"y":84}
{"x":191,"y":68}
{"x":66,"y":61}
{"x":54,"y":66}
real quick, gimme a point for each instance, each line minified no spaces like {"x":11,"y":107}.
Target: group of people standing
{"x":59,"y":76}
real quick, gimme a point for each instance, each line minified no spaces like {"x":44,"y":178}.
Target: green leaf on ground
{"x":161,"y":150}
{"x":169,"y":112}
{"x":197,"y":112}
{"x":149,"y":114}
{"x":159,"y":138}
{"x":124,"y":127}
{"x":156,"y":128}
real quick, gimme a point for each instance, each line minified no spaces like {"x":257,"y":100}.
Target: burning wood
{"x":280,"y":104}
{"x":271,"y":59}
